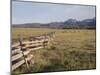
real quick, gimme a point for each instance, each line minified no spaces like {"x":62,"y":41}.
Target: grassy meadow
{"x":71,"y":49}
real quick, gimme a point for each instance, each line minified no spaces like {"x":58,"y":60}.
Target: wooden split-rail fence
{"x":21,"y":51}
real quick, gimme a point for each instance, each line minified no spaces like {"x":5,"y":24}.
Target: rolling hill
{"x":70,"y":23}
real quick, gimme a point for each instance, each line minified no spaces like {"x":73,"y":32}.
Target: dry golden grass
{"x":71,"y":49}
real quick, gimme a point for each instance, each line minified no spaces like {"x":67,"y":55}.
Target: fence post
{"x":44,"y":41}
{"x":21,"y":44}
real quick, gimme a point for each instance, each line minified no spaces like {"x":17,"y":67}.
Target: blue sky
{"x":32,"y":12}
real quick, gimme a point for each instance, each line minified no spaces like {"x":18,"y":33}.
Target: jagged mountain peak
{"x":70,"y":23}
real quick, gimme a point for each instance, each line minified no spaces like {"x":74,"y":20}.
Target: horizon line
{"x":52,"y":21}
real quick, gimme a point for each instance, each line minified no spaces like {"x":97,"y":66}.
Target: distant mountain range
{"x":70,"y":23}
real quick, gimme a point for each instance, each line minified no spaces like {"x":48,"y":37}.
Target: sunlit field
{"x":70,"y":49}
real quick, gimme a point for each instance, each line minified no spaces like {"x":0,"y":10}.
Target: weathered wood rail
{"x":21,"y":51}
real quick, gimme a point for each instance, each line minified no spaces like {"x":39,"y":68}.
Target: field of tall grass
{"x":71,"y":49}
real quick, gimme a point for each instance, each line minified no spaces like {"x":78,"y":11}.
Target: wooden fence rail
{"x":21,"y":51}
